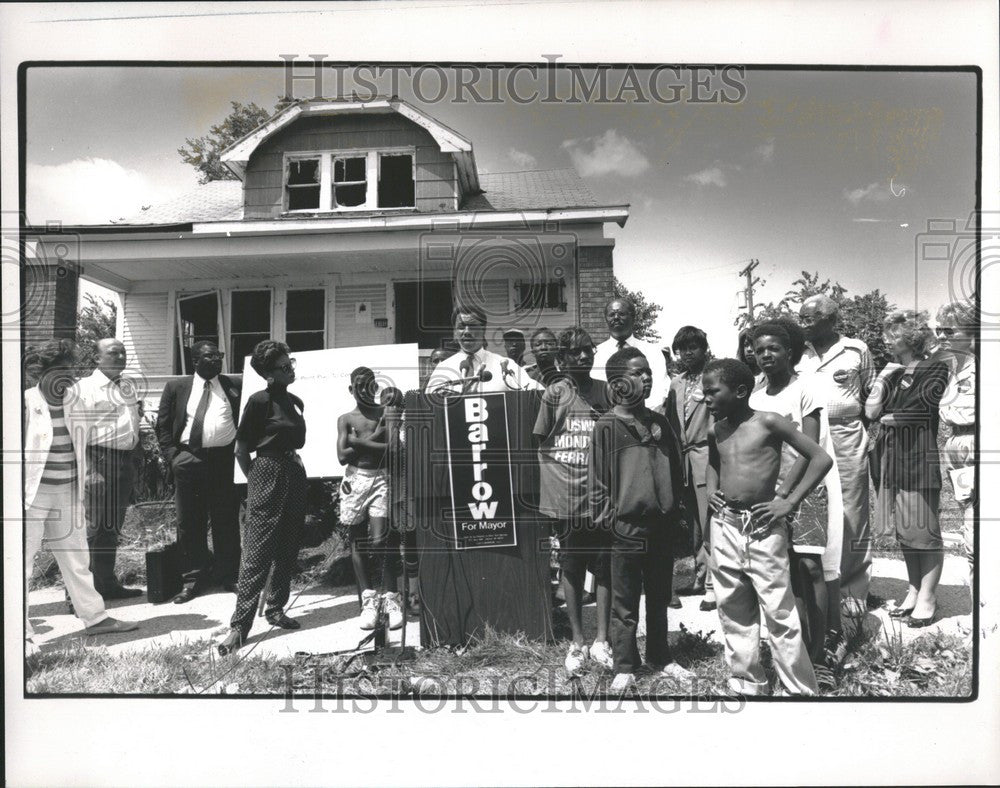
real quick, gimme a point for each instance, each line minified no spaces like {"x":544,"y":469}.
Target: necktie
{"x":465,"y":368}
{"x":621,"y":343}
{"x":198,"y":425}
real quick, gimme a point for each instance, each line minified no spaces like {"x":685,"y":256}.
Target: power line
{"x":748,"y":290}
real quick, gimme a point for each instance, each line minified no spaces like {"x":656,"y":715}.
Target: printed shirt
{"x":219,"y":429}
{"x":841,"y":377}
{"x":60,"y":465}
{"x":564,"y":428}
{"x":107,"y":410}
{"x":958,"y":404}
{"x":654,"y":356}
{"x":272,"y":421}
{"x":796,"y":401}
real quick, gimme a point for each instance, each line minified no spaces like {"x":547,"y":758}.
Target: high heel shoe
{"x":900,"y":612}
{"x":232,"y":643}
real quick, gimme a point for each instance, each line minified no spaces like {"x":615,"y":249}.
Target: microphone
{"x":483,"y":376}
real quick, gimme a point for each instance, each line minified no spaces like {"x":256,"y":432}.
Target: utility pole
{"x":751,"y":281}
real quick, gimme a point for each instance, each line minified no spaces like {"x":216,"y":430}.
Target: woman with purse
{"x":905,"y":399}
{"x":272,"y":428}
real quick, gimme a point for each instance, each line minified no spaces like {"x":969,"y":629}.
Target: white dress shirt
{"x":219,"y":429}
{"x":106,"y":411}
{"x":507,"y":375}
{"x":653,"y":354}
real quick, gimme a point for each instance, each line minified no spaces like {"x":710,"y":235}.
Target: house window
{"x":197,"y":321}
{"x":550,"y":296}
{"x":305,"y":320}
{"x":346,"y":181}
{"x":395,"y":181}
{"x":303,"y":184}
{"x":250,"y":318}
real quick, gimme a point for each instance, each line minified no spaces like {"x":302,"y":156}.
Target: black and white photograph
{"x":596,"y":390}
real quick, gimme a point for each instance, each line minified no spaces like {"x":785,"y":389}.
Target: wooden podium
{"x":465,"y":589}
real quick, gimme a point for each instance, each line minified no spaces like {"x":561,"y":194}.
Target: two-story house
{"x":350,"y":224}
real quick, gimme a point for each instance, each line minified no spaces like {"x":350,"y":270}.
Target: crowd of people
{"x":761,"y":462}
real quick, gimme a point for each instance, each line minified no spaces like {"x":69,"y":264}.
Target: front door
{"x":423,"y":313}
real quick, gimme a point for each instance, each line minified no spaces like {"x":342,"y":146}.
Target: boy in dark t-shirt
{"x":635,"y":486}
{"x":570,"y":407}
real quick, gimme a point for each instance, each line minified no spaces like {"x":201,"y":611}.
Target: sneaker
{"x":835,"y":649}
{"x":674,"y":671}
{"x":110,"y":626}
{"x":575,"y":658}
{"x":394,"y":608}
{"x":622,"y":683}
{"x":369,"y":609}
{"x":600,"y":652}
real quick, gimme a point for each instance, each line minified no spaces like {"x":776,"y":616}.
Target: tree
{"x":645,"y":312}
{"x":203,"y":153}
{"x":861,"y":316}
{"x":95,"y":321}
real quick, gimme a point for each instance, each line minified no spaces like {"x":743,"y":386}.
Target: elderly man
{"x":843,"y":373}
{"x":103,"y":413}
{"x":620,"y":317}
{"x":196,"y":430}
{"x":474,"y":369}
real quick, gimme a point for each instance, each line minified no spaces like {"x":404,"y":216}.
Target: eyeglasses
{"x":944,"y":331}
{"x":214,"y":355}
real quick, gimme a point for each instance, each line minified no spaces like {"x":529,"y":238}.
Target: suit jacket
{"x":172,"y":415}
{"x":692,"y":431}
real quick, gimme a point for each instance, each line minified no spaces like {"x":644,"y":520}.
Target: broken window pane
{"x":350,"y":185}
{"x":350,"y":170}
{"x":302,"y":184}
{"x":303,"y":171}
{"x":395,"y":181}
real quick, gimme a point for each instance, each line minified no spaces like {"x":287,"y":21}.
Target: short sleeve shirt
{"x":564,"y":426}
{"x":272,"y":421}
{"x":841,"y":377}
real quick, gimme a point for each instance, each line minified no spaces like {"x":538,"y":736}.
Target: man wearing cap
{"x":842,"y":371}
{"x":459,"y":372}
{"x":514,"y":345}
{"x":620,"y":317}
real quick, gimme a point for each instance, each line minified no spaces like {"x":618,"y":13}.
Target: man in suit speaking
{"x":196,"y":428}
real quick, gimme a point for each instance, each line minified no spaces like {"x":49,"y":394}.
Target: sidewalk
{"x":329,"y":617}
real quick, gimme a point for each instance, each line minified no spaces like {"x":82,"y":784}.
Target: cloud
{"x":609,"y":154}
{"x":712,"y":176}
{"x":87,"y":191}
{"x":873,"y":192}
{"x":521,"y":159}
{"x":764,"y":153}
{"x":869,"y":221}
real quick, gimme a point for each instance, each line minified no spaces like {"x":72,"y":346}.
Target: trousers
{"x":204,"y":491}
{"x":56,"y":515}
{"x":276,"y":508}
{"x":641,"y":560}
{"x":108,"y":489}
{"x":696,"y":504}
{"x":850,"y":445}
{"x":959,"y":459}
{"x":752,"y":575}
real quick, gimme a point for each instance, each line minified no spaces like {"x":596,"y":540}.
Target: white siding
{"x":348,"y":332}
{"x":146,"y":333}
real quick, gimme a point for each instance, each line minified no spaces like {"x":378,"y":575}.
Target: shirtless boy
{"x":749,"y":534}
{"x":361,"y":446}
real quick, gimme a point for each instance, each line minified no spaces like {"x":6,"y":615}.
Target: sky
{"x":834,"y":172}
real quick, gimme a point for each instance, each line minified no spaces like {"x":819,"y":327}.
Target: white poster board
{"x":321,"y":381}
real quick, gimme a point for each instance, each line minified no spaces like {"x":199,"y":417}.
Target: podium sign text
{"x":479,"y":471}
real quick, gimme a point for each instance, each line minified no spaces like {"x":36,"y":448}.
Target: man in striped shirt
{"x":53,"y":491}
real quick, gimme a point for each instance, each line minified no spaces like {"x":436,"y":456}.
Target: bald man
{"x":102,"y":412}
{"x":842,"y":372}
{"x":619,"y":314}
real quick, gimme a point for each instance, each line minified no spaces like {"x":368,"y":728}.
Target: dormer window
{"x":349,"y":181}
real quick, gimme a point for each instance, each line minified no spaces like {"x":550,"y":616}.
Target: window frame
{"x":326,"y":313}
{"x":372,"y":169}
{"x":230,"y":351}
{"x":561,"y":308}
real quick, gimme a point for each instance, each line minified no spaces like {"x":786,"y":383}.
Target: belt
{"x":963,"y":429}
{"x":278,"y":454}
{"x":845,"y":420}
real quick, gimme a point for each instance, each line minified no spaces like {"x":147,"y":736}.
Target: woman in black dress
{"x":273,"y":428}
{"x":905,"y":399}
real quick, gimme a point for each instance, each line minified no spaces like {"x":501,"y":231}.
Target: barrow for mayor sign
{"x":482,"y":497}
